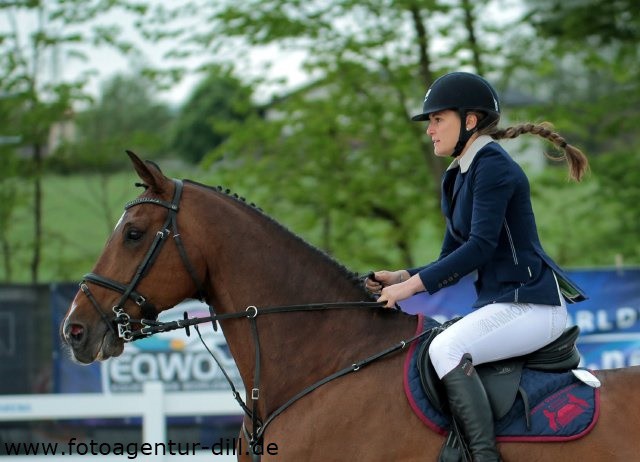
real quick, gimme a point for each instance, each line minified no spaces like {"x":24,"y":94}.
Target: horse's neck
{"x":256,"y":262}
{"x":304,"y":348}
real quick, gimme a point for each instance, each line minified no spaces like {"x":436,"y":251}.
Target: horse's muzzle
{"x":86,"y":348}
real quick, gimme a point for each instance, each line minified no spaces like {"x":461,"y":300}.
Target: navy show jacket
{"x":491,"y":229}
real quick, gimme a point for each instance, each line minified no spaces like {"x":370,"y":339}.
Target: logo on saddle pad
{"x":564,"y":409}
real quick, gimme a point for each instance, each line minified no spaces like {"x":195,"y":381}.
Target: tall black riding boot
{"x":470,"y":408}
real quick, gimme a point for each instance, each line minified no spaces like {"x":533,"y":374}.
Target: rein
{"x":251,"y":314}
{"x":120,"y":324}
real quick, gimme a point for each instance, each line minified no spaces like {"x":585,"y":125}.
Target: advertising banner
{"x":609,"y":320}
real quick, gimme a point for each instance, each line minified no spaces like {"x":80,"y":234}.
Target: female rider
{"x":521,"y":291}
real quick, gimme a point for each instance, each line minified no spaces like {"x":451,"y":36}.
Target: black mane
{"x":350,"y":275}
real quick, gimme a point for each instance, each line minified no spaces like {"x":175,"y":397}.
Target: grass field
{"x":79,"y":213}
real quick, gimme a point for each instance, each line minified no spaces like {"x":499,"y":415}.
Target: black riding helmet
{"x":462,"y":92}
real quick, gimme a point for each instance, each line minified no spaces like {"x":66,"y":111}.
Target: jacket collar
{"x":465,"y":161}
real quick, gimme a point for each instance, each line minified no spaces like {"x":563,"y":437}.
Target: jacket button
{"x":450,"y":278}
{"x":439,"y":285}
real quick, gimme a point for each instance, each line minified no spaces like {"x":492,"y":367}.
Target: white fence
{"x":153,"y":405}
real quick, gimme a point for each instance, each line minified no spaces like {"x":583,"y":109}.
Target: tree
{"x":219,"y":99}
{"x":39,"y":30}
{"x":587,"y":52}
{"x":339,"y":158}
{"x":10,"y":199}
{"x":126,"y":115}
{"x":9,"y":186}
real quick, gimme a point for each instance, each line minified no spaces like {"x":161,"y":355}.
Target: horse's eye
{"x":134,"y":234}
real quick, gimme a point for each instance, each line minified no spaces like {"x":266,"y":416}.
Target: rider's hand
{"x":383,"y":279}
{"x":394,"y":293}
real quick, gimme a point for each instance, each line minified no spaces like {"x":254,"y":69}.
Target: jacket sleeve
{"x":492,"y":187}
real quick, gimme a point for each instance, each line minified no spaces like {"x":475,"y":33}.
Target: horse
{"x":239,"y":260}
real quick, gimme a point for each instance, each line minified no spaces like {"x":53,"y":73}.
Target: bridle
{"x":149,"y":312}
{"x":120,"y":323}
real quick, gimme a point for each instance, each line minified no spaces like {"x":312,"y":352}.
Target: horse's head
{"x":131,"y":278}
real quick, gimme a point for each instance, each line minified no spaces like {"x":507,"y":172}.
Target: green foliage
{"x":12,"y":194}
{"x":337,"y":160}
{"x":126,"y":116}
{"x":37,"y":33}
{"x":619,"y":177}
{"x":591,"y":92}
{"x":202,"y":124}
{"x":615,"y":22}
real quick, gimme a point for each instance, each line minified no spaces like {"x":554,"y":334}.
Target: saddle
{"x":501,"y":379}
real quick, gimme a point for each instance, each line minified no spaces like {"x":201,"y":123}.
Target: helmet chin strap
{"x":465,"y":134}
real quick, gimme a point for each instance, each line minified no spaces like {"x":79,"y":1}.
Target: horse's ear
{"x":149,"y":173}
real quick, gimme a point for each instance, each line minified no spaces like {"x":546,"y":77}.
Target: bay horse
{"x":234,"y":256}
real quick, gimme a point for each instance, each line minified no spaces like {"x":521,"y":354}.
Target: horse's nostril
{"x":75,"y":332}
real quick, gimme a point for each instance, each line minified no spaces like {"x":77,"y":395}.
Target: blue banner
{"x":609,"y":320}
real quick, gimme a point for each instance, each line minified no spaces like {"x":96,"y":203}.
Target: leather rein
{"x":120,"y":324}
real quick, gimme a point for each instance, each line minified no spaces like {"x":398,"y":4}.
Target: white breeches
{"x":497,"y":331}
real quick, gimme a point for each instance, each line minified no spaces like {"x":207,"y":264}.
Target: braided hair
{"x":577,"y":162}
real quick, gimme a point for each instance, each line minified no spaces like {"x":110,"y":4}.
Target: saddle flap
{"x":501,"y":381}
{"x":431,"y":384}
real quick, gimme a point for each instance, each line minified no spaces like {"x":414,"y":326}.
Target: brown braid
{"x":577,"y":162}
